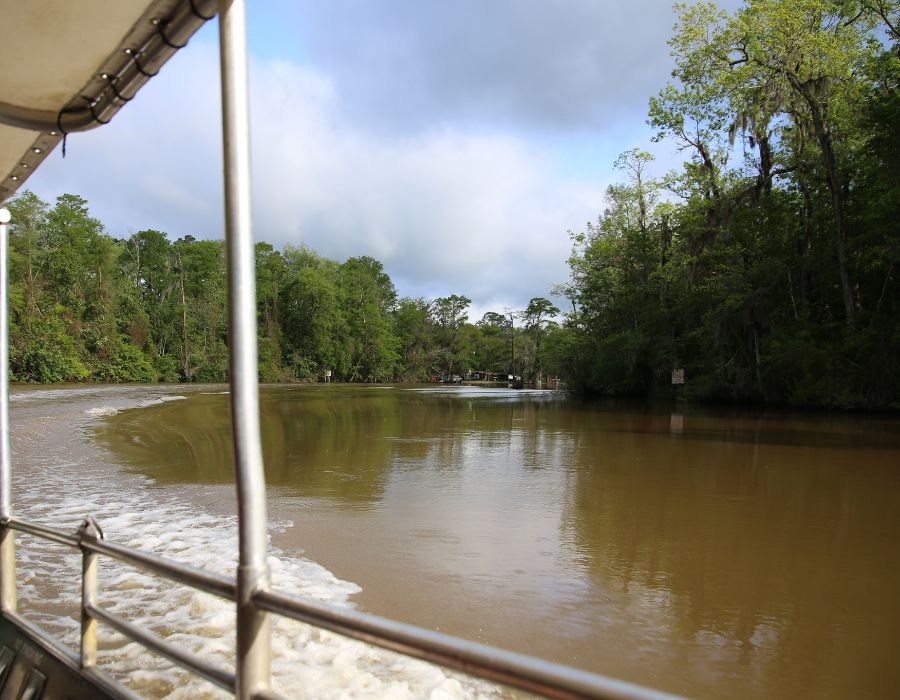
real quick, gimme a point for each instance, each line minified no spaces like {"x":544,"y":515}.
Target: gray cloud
{"x":446,"y":210}
{"x":530,"y":63}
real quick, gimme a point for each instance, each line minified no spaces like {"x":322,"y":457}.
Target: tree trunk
{"x":807,"y":246}
{"x":837,"y":192}
{"x":185,"y":350}
{"x":840,"y":231}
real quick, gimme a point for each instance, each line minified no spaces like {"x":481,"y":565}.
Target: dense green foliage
{"x":145,"y":309}
{"x":767,"y":265}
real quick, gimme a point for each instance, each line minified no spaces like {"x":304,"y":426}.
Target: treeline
{"x":767,"y":266}
{"x":88,"y":307}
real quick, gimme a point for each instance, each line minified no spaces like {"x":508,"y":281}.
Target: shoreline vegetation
{"x":765,"y":267}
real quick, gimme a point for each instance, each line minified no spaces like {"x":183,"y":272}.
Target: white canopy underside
{"x":62,"y":63}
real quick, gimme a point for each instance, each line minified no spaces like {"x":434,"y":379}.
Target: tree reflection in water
{"x":706,"y":554}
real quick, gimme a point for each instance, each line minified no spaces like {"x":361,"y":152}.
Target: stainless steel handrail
{"x":509,"y":668}
{"x":201,"y":579}
{"x":253,"y":625}
{"x":185,"y":659}
{"x":52,"y":534}
{"x":516,"y":670}
{"x":7,"y":542}
{"x":68,"y":658}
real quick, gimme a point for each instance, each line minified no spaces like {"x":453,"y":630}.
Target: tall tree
{"x":312,"y":316}
{"x":538,"y":317}
{"x":449,"y":315}
{"x":369,"y":297}
{"x":795,"y":60}
{"x":270,"y":278}
{"x":494,"y":344}
{"x":414,"y":332}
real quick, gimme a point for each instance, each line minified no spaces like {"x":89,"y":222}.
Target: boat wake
{"x":60,"y":477}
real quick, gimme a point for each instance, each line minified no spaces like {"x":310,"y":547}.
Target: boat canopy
{"x":70,"y":66}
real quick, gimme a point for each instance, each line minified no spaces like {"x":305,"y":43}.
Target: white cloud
{"x":446,"y":211}
{"x":576,"y":64}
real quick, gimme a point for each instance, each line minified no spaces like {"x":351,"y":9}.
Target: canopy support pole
{"x":7,"y":543}
{"x":253,"y":625}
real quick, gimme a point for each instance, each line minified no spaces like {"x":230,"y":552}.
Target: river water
{"x":710,"y":554}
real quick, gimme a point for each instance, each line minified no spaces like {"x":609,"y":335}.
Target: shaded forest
{"x":765,"y":266}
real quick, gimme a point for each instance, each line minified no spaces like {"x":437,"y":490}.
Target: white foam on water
{"x":105,"y":411}
{"x":158,"y":400}
{"x":307,"y":662}
{"x":101,"y":411}
{"x":28,"y":394}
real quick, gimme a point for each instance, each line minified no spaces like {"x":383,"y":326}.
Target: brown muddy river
{"x":705,"y":553}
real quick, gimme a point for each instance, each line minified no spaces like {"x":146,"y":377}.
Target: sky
{"x":458,"y":143}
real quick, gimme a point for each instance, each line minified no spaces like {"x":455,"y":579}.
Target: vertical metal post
{"x":7,"y":543}
{"x":253,"y":625}
{"x":89,"y":565}
{"x":88,"y":598}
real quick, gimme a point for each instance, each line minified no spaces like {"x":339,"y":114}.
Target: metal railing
{"x":512,"y":669}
